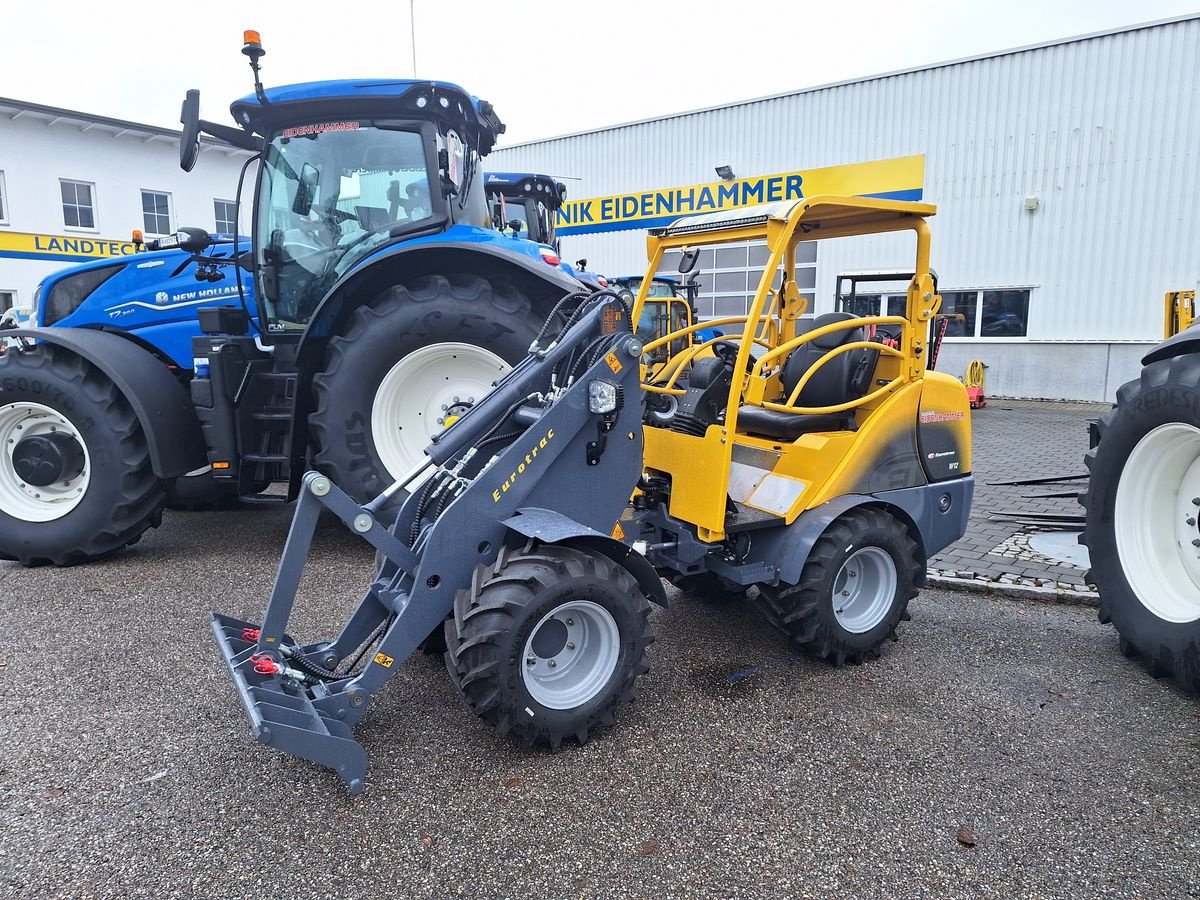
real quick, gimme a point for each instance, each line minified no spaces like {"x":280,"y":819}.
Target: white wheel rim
{"x":38,"y":503}
{"x":571,"y":654}
{"x":419,"y":391}
{"x":1155,"y":522}
{"x":864,"y":589}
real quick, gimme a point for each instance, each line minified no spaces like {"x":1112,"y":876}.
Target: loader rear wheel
{"x":420,"y":353}
{"x":853,"y":591}
{"x":548,"y":642}
{"x":76,"y":482}
{"x":1143,"y":504}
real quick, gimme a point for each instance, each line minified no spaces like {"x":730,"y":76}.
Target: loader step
{"x":267,"y":457}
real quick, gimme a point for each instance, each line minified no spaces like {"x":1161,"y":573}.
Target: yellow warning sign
{"x":613,"y":363}
{"x":384,"y":660}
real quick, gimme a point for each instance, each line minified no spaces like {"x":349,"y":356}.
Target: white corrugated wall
{"x":1104,"y":130}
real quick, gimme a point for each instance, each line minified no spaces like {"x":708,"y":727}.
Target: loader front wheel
{"x":76,"y":482}
{"x":1141,"y":531}
{"x":853,"y":591}
{"x":404,"y":366}
{"x":547,"y":643}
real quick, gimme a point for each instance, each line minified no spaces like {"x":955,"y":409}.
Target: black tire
{"x":494,"y":619}
{"x":1167,"y":392}
{"x":123,"y":498}
{"x":804,"y":613}
{"x":200,"y":492}
{"x":429,"y":310}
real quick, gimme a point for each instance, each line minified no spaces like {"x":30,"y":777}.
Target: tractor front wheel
{"x":76,"y":482}
{"x":547,"y":643}
{"x":1141,"y":531}
{"x":853,"y":591}
{"x":404,"y":366}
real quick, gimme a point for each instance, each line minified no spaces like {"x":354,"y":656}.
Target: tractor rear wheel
{"x":76,"y":482}
{"x":1143,"y":505}
{"x":853,"y":591}
{"x":547,"y":643}
{"x":403,"y":365}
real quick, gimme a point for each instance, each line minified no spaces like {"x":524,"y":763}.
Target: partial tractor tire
{"x":853,"y":591}
{"x":75,"y":477}
{"x":1143,"y":504}
{"x":403,"y":365}
{"x":547,"y":643}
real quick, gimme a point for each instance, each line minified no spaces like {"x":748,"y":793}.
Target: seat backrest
{"x":831,"y":385}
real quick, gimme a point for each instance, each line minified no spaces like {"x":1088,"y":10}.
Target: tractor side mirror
{"x":688,"y":260}
{"x":189,"y":139}
{"x":581,"y":264}
{"x":306,"y":190}
{"x":192,"y":240}
{"x":517,"y":226}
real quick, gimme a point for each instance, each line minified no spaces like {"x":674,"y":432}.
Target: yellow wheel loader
{"x":815,"y":458}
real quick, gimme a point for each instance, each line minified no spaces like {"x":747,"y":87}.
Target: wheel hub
{"x":43,"y":459}
{"x":1155,"y":521}
{"x":419,"y":394}
{"x":571,"y":654}
{"x":864,"y":589}
{"x":44,"y":463}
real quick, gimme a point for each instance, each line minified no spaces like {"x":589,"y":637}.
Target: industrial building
{"x":74,"y":186}
{"x":1066,"y":176}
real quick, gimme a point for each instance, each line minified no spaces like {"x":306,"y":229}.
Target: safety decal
{"x":614,"y":363}
{"x":384,"y":660}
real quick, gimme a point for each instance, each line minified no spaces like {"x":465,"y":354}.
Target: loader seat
{"x":838,"y":381}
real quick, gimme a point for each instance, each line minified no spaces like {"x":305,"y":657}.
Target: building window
{"x":156,"y":212}
{"x":8,"y":299}
{"x":729,"y":275}
{"x":3,"y":202}
{"x":1004,"y":314}
{"x":226,"y":214}
{"x":959,"y":307}
{"x":78,"y":203}
{"x":986,"y":314}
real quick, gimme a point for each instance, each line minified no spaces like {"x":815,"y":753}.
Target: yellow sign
{"x":60,"y":247}
{"x":900,"y":178}
{"x":384,"y":660}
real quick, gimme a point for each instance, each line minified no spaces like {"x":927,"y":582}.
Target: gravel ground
{"x":127,"y":767}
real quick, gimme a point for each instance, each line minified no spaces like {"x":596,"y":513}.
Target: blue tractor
{"x":524,"y":204}
{"x":383,"y":305}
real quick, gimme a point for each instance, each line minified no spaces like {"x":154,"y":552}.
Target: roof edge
{"x":1025,"y":48}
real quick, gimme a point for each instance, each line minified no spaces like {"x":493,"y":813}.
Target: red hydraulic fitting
{"x":264,"y":664}
{"x":251,"y":634}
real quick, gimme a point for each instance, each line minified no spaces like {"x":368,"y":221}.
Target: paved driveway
{"x":127,"y":767}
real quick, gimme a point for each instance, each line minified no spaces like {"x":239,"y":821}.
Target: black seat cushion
{"x":787,"y":426}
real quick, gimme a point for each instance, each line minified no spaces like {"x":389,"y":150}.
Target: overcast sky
{"x":550,"y":68}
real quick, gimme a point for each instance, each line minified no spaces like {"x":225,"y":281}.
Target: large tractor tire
{"x":421,"y":353}
{"x":1143,"y":504}
{"x":853,"y":591}
{"x":76,"y":482}
{"x":547,"y":643}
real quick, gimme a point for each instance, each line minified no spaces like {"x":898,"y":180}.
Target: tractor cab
{"x":525,"y":204}
{"x":347,"y":169}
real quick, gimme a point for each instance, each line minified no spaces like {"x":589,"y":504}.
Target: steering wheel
{"x":727,"y":351}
